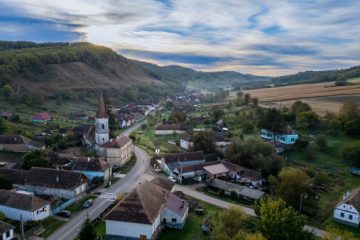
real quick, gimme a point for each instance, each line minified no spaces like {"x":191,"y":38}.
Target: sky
{"x":268,"y":38}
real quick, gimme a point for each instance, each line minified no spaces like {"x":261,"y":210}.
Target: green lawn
{"x":149,"y":141}
{"x":100,"y":228}
{"x":339,"y":178}
{"x":50,"y":225}
{"x":192,"y":228}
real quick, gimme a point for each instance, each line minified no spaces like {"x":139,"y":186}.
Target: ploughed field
{"x":321,"y":97}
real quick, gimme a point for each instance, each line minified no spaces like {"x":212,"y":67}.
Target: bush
{"x":311,"y":151}
{"x":321,"y":143}
{"x":351,"y":154}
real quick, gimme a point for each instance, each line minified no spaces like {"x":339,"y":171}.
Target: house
{"x":55,"y":183}
{"x":6,"y":231}
{"x":116,"y":151}
{"x":7,"y":115}
{"x":78,"y":116}
{"x":17,"y":176}
{"x":19,"y":143}
{"x":228,"y":188}
{"x":20,"y":206}
{"x":288,"y":137}
{"x":164,"y":183}
{"x":169,"y":162}
{"x":168,"y":129}
{"x":43,"y":117}
{"x":348,"y":210}
{"x":93,"y":168}
{"x":186,"y":142}
{"x":144,"y":212}
{"x":220,"y":169}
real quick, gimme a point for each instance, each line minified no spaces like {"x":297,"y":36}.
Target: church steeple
{"x":101,"y":124}
{"x":101,"y":111}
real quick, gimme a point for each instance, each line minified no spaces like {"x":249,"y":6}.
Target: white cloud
{"x":288,"y":36}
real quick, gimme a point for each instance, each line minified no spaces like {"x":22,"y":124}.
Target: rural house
{"x":168,"y":129}
{"x":6,"y":231}
{"x":348,"y":210}
{"x":117,"y":152}
{"x":288,"y":137}
{"x":169,"y":162}
{"x":27,"y":207}
{"x":144,"y":212}
{"x":95,"y":169}
{"x":19,"y":143}
{"x":43,"y":118}
{"x":56,"y":183}
{"x":186,"y":142}
{"x":228,"y":188}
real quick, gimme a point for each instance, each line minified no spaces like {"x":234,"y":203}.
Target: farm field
{"x":321,"y":97}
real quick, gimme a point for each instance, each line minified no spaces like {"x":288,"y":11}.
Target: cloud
{"x":260,"y":37}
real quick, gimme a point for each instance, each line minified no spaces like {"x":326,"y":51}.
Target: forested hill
{"x":340,"y":76}
{"x":219,"y":79}
{"x":48,"y":70}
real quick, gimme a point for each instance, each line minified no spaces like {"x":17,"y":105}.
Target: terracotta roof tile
{"x":21,"y":201}
{"x":117,"y":143}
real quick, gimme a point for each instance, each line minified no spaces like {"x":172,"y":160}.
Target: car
{"x":172,"y":179}
{"x":88,"y":203}
{"x":64,"y":214}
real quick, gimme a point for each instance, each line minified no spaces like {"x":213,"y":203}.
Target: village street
{"x":71,"y":229}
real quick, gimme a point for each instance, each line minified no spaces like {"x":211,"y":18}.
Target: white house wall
{"x":13,"y":213}
{"x":347,"y":210}
{"x":128,"y":229}
{"x":11,"y":235}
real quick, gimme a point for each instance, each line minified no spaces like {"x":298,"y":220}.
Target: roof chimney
{"x":346,"y":195}
{"x":88,"y":159}
{"x":57,"y":179}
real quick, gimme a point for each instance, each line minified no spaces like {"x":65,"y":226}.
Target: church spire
{"x":101,"y":112}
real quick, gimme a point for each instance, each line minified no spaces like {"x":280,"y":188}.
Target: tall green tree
{"x":277,"y":221}
{"x":351,"y":154}
{"x":299,"y":107}
{"x":7,"y":92}
{"x":5,"y":182}
{"x":204,"y":141}
{"x":87,"y":231}
{"x":307,"y":120}
{"x":349,"y":111}
{"x":272,"y":120}
{"x":293,"y":184}
{"x":35,"y":158}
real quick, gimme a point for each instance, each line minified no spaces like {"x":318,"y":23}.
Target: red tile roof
{"x":44,"y":116}
{"x":117,"y":143}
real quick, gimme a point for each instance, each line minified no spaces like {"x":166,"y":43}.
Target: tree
{"x":307,"y":120}
{"x":352,"y":127}
{"x":255,"y":101}
{"x":2,"y":126}
{"x":5,"y":182}
{"x":272,"y":120}
{"x":321,"y":143}
{"x":7,"y":92}
{"x":255,"y":154}
{"x":293,"y":183}
{"x":351,"y":154}
{"x":299,"y":107}
{"x":247,"y":98}
{"x":204,"y":141}
{"x":349,"y":111}
{"x":217,"y":113}
{"x":35,"y":158}
{"x":276,"y":221}
{"x":336,"y":234}
{"x":177,"y":117}
{"x":87,"y":231}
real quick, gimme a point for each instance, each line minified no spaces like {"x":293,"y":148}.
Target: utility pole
{"x":301,"y":198}
{"x":22,"y":227}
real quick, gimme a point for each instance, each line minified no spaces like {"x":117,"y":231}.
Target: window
{"x":342,"y":214}
{"x":292,"y":139}
{"x":8,"y":234}
{"x":173,"y":220}
{"x":350,"y":217}
{"x":102,"y":126}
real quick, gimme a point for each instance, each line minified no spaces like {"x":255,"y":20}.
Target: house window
{"x":350,"y":217}
{"x":102,"y":126}
{"x":8,"y":234}
{"x":173,"y":220}
{"x":292,"y":139}
{"x":342,"y":214}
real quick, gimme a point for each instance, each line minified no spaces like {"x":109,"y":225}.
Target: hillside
{"x":48,"y":69}
{"x":339,"y":76}
{"x":204,"y":79}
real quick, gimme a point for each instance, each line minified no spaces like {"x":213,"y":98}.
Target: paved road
{"x":223,"y":204}
{"x":71,"y":229}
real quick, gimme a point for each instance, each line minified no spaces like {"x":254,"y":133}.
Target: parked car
{"x":64,"y":214}
{"x":88,"y":203}
{"x":172,"y":179}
